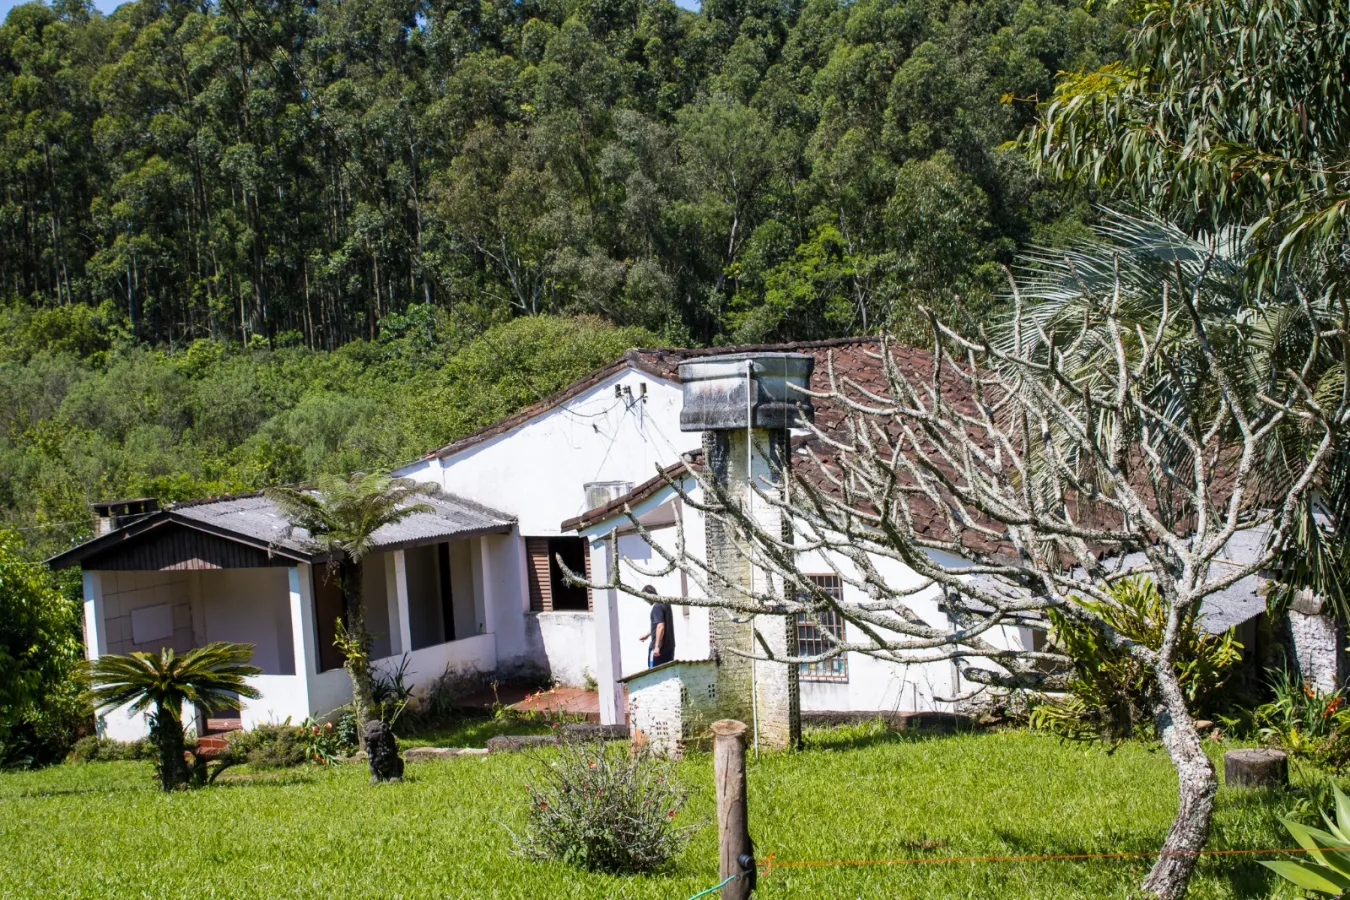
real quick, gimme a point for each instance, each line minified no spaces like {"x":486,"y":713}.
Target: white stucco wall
{"x":537,"y":471}
{"x":126,"y":592}
{"x":872,"y":685}
{"x":563,"y":642}
{"x":248,"y":606}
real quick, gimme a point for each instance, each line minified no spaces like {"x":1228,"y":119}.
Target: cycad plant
{"x":1326,"y":868}
{"x":340,"y":519}
{"x":210,"y":677}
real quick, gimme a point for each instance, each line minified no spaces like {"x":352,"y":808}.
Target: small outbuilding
{"x":671,"y":704}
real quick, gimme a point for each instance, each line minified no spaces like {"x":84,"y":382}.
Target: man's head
{"x":650,"y":590}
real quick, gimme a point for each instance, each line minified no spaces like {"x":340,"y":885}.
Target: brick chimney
{"x":115,"y":514}
{"x":744,"y":404}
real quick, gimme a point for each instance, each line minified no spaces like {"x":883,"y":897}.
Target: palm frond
{"x":343,"y":514}
{"x":211,"y":677}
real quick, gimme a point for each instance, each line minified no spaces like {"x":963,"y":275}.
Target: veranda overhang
{"x":250,"y":531}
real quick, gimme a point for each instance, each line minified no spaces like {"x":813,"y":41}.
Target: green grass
{"x":469,"y":731}
{"x":102,"y":830}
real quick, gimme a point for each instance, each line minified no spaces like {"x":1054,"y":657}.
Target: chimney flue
{"x":114,"y":514}
{"x":745,"y":404}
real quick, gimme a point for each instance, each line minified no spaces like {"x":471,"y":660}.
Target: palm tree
{"x":341,"y":518}
{"x":210,"y":677}
{"x":1262,"y":327}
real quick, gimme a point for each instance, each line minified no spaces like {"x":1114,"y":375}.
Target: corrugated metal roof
{"x":256,"y":520}
{"x":259,"y":518}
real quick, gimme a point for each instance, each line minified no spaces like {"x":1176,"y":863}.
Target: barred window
{"x":810,"y":640}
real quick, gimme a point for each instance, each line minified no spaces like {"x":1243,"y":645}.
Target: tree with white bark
{"x":1019,"y":473}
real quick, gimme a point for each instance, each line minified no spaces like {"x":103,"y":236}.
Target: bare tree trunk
{"x":1196,"y":787}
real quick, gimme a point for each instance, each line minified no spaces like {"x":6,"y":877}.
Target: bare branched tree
{"x":1015,"y":484}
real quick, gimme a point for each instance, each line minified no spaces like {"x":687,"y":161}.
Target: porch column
{"x":489,"y":583}
{"x":398,"y":604}
{"x":95,"y":629}
{"x":304,"y":638}
{"x":608,"y":662}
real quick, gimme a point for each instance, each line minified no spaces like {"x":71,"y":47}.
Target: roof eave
{"x":466,"y":534}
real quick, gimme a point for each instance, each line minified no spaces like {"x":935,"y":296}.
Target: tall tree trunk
{"x":357,"y":648}
{"x":1196,"y":787}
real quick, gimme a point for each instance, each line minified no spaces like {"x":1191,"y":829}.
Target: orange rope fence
{"x":771,"y":864}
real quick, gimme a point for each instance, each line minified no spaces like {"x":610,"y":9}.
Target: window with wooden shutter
{"x":549,"y":590}
{"x":541,"y":580}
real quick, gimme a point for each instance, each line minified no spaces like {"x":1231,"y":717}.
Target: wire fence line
{"x":770,"y":863}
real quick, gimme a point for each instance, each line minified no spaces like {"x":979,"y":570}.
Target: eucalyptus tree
{"x":1224,"y":112}
{"x":340,"y":518}
{"x":209,"y":678}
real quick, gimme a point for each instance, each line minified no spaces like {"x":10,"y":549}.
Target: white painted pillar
{"x":304,"y":637}
{"x":293,"y":697}
{"x":608,"y":661}
{"x":398,"y":604}
{"x":485,"y":547}
{"x":95,"y":626}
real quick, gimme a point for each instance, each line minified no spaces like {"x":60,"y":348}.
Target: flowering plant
{"x":598,"y":807}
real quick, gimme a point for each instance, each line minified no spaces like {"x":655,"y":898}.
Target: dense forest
{"x":298,"y":171}
{"x":247,"y":241}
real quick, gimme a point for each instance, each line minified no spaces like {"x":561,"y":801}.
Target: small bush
{"x":1306,"y":721}
{"x":600,"y":808}
{"x":1111,"y":692}
{"x":270,"y":746}
{"x":102,"y":749}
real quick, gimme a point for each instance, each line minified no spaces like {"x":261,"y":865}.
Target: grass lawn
{"x":470,"y":731}
{"x":102,"y":830}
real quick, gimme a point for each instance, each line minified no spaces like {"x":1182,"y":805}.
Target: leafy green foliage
{"x":40,"y":658}
{"x":1223,"y":113}
{"x":1111,"y":693}
{"x":1306,"y":721}
{"x":211,"y":418}
{"x":1326,"y":868}
{"x":92,"y":748}
{"x":604,"y":809}
{"x":291,"y":173}
{"x":209,"y":677}
{"x":283,"y":745}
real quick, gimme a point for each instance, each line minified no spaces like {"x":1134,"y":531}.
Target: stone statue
{"x":382,"y":752}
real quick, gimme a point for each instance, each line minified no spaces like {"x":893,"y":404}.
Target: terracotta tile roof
{"x":855,"y":359}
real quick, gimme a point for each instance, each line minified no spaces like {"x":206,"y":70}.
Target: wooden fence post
{"x":736,"y":851}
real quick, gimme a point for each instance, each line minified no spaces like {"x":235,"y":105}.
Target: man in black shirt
{"x":662,"y":633}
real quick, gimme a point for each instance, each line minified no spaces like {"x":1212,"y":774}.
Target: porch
{"x":428,"y":593}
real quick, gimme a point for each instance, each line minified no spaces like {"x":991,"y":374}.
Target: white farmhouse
{"x":474,"y":585}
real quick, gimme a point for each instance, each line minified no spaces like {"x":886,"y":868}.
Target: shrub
{"x":600,"y":808}
{"x":1305,"y":721}
{"x":270,"y":746}
{"x":1110,"y":691}
{"x":102,"y":749}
